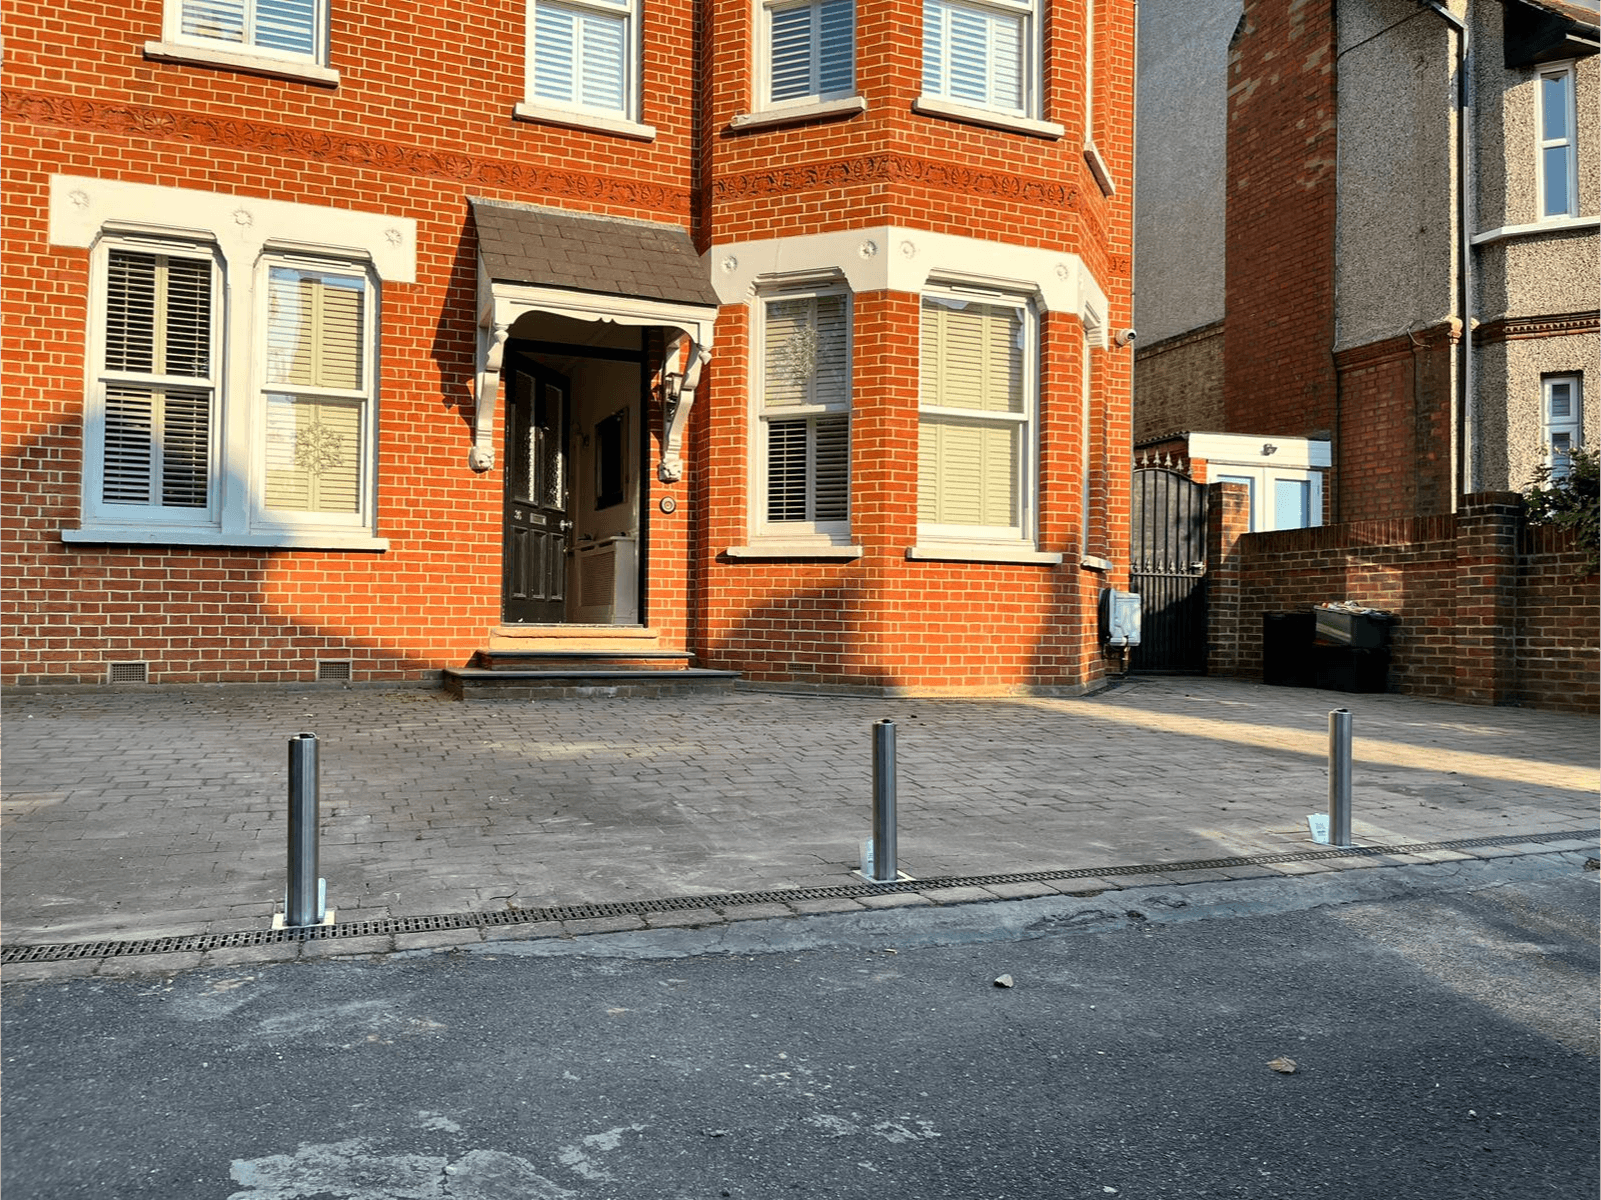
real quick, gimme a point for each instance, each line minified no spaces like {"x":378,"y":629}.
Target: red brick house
{"x":350,"y":342}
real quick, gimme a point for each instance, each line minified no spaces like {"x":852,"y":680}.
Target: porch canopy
{"x":589,"y":268}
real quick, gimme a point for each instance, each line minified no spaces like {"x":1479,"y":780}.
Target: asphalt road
{"x":1443,"y":1035}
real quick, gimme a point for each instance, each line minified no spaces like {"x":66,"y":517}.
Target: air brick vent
{"x":128,"y":672}
{"x":333,"y":670}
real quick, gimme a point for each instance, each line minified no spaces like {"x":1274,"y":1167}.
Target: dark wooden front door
{"x":534,"y":577}
{"x":1167,"y":567}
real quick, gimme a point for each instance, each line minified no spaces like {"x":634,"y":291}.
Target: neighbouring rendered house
{"x":1324,"y":255}
{"x":347,"y":341}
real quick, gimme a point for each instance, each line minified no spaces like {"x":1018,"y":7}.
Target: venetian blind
{"x":156,"y":447}
{"x":812,"y":50}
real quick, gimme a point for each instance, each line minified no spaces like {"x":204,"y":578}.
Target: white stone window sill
{"x":1099,"y":169}
{"x":980,"y":552}
{"x":242,"y":60}
{"x":102,"y":535}
{"x":597,"y":122}
{"x":935,"y":106}
{"x":1091,"y":563}
{"x":797,"y":114}
{"x":794,"y":549}
{"x":1550,"y":225}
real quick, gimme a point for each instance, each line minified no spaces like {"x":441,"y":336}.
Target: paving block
{"x":831,"y":904}
{"x":756,"y":912}
{"x":957,"y":895}
{"x":896,"y":900}
{"x":527,"y":931}
{"x":621,"y":924}
{"x":683,"y":918}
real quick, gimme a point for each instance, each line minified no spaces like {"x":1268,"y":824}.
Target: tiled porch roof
{"x":548,"y":247}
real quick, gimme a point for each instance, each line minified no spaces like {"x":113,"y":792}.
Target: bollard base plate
{"x":900,"y":877}
{"x":278,"y":921}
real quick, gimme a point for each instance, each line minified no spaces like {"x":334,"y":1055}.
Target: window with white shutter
{"x":290,"y":29}
{"x":582,"y":55}
{"x":151,"y":426}
{"x":976,"y":429}
{"x":810,"y":50}
{"x":316,"y":393}
{"x":981,"y":55}
{"x":803,"y":416}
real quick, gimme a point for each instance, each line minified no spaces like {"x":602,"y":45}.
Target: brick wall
{"x":1394,"y":444}
{"x":1489,"y":612}
{"x":1178,"y":384}
{"x":1278,"y":367}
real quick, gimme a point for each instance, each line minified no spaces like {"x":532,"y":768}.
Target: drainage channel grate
{"x":389,"y":926}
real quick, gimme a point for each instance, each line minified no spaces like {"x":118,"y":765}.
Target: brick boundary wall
{"x":1490,"y":611}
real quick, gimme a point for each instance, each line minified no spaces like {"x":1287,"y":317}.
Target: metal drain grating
{"x":390,"y":926}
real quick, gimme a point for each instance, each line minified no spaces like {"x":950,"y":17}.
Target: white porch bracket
{"x":675,"y":384}
{"x":501,"y":305}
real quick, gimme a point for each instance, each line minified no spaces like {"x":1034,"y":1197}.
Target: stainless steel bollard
{"x":884,"y":869}
{"x":303,"y":902}
{"x":1340,"y":777}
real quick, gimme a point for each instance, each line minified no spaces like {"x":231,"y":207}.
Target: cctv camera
{"x":1125,"y":337}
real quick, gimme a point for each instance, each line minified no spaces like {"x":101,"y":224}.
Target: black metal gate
{"x":1167,"y":567}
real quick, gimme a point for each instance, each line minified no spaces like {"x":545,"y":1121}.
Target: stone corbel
{"x":677,"y":381}
{"x":491,"y":356}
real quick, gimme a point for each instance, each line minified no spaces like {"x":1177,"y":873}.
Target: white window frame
{"x":1025,"y":484}
{"x":1260,"y":481}
{"x":937,"y":95}
{"x":1552,"y":426}
{"x":102,"y":377}
{"x":236,"y":511}
{"x":245,"y":52}
{"x":797,"y":533}
{"x":626,"y":119}
{"x":1567,"y":144}
{"x":816,"y":94}
{"x":264,"y":388}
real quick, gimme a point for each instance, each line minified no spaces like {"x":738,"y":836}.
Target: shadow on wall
{"x":862,"y":631}
{"x":213,"y":615}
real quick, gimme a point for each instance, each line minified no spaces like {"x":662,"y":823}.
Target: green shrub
{"x":1570,"y":501}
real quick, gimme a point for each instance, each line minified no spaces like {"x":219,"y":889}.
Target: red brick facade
{"x":418,"y":123}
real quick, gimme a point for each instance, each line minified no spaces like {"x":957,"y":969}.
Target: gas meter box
{"x":1120,"y":618}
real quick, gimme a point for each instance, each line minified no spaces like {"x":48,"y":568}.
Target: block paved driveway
{"x":148,"y":813}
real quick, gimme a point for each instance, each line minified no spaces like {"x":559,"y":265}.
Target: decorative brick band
{"x":1513,"y":329}
{"x":261,"y":137}
{"x":898,"y":168}
{"x":934,"y":173}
